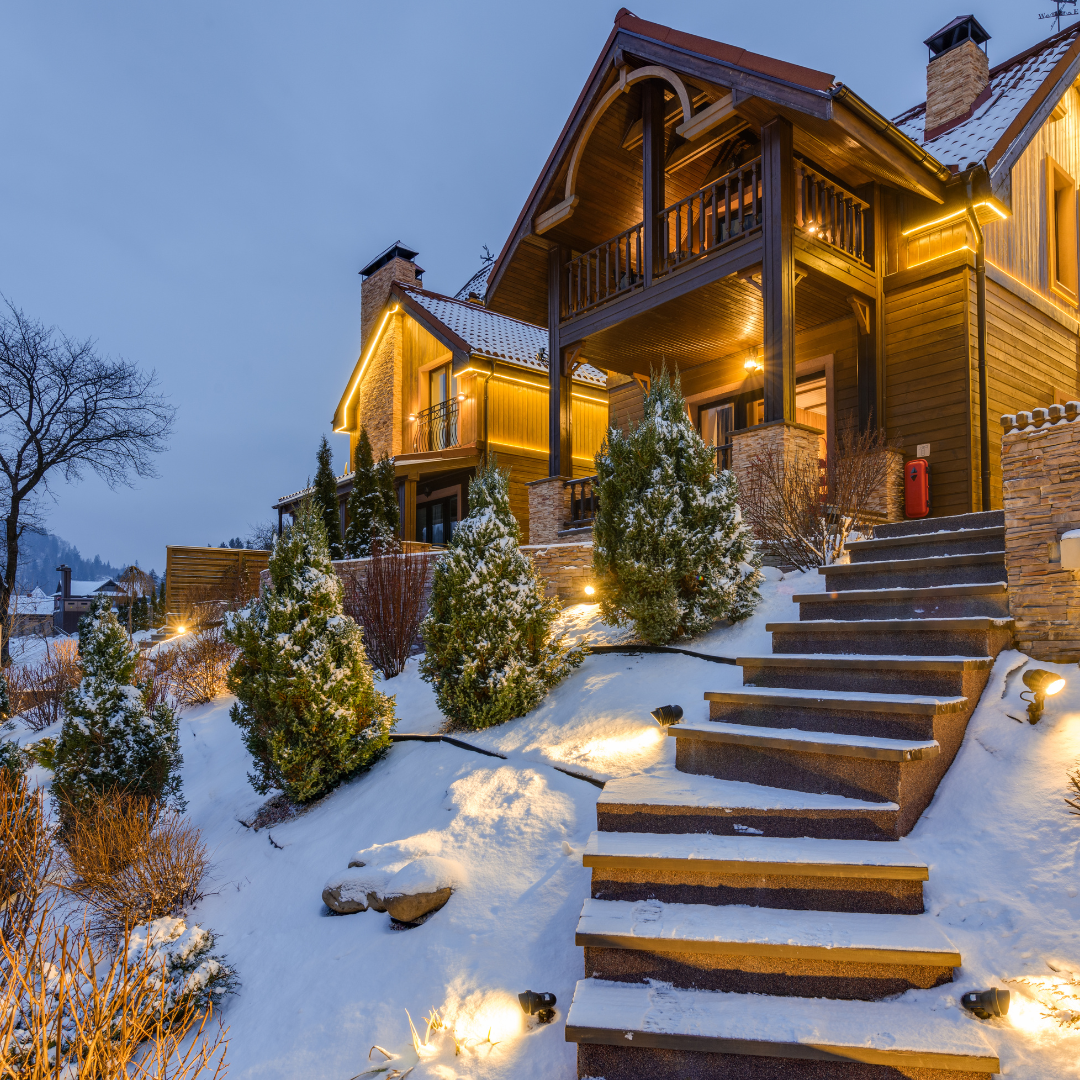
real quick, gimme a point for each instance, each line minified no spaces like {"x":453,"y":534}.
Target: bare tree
{"x":134,"y":583}
{"x":65,"y":409}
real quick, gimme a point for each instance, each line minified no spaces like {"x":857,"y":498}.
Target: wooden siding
{"x":196,"y":575}
{"x":1031,"y":362}
{"x":927,"y":386}
{"x":588,"y":425}
{"x":626,"y":405}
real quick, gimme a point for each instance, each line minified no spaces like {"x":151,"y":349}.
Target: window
{"x":1061,"y":230}
{"x":436,"y":521}
{"x":440,"y":385}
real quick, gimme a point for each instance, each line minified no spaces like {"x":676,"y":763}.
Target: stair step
{"x":806,"y":742}
{"x":944,"y":541}
{"x":751,"y":931}
{"x":934,"y":601}
{"x":840,"y":700}
{"x":668,"y":801}
{"x":763,"y":871}
{"x":916,"y":573}
{"x":618,"y":1026}
{"x":971,"y":636}
{"x":978,"y":520}
{"x":948,"y":676}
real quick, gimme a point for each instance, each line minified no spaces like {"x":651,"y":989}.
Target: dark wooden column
{"x":652,"y":156}
{"x":867,"y":361}
{"x":560,"y":445}
{"x":408,"y":514}
{"x":778,"y":268}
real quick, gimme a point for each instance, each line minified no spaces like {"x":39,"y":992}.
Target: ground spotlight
{"x":589,"y":590}
{"x":542,"y":1006}
{"x":667,"y":714}
{"x":1041,"y":684}
{"x":992,"y":1002}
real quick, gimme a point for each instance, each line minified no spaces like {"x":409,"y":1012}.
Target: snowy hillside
{"x":318,"y":991}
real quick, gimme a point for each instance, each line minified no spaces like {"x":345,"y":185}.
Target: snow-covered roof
{"x":477,"y":283}
{"x":89,"y":588}
{"x":496,"y":336}
{"x":37,"y":603}
{"x":1012,"y":85}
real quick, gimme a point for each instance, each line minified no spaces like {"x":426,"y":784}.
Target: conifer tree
{"x":670,"y":552}
{"x":391,"y":516}
{"x":109,"y":739}
{"x":308,"y":707}
{"x":326,"y":499}
{"x":5,"y":699}
{"x":491,"y":651}
{"x":365,"y":510}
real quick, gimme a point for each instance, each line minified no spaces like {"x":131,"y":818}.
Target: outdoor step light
{"x":992,"y":1002}
{"x":667,"y":714}
{"x":542,"y":1006}
{"x":1042,"y":684}
{"x":589,"y":590}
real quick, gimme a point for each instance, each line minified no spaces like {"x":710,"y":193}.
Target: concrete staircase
{"x":758,"y":866}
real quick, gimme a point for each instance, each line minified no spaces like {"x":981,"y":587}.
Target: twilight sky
{"x":196,"y":185}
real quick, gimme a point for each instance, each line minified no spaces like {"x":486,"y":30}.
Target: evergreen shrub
{"x":308,"y":707}
{"x":670,"y":551}
{"x":366,"y":509}
{"x":491,"y":651}
{"x":326,"y":498}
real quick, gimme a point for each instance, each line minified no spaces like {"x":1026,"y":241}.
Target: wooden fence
{"x":202,"y":581}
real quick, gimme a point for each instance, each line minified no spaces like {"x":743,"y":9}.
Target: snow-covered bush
{"x":308,"y":706}
{"x":670,"y":552}
{"x":12,"y":757}
{"x":183,"y":961}
{"x":109,"y":739}
{"x":491,"y":651}
{"x":325,"y":498}
{"x":5,"y":699}
{"x":366,"y":511}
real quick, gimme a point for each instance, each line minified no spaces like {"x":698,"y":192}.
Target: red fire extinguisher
{"x":917,"y":488}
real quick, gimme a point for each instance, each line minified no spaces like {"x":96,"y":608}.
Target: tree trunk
{"x":7,"y":586}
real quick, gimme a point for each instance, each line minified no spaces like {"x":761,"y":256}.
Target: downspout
{"x":980,"y":308}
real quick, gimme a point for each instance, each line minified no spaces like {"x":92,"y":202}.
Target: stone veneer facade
{"x":567,"y":568}
{"x":1040,"y":465}
{"x":953,"y":81}
{"x":549,"y":507}
{"x":792,"y":439}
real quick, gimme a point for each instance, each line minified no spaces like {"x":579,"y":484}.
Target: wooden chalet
{"x":441,"y":383}
{"x":800,"y":259}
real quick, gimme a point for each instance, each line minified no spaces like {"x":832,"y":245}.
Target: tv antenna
{"x":1066,"y":8}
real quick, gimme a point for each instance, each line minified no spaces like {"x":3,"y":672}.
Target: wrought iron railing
{"x":828,"y":213}
{"x":584,"y":501}
{"x":713,"y":216}
{"x":436,"y":427}
{"x":605,"y":271}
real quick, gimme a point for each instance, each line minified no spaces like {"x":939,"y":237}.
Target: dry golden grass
{"x":130,"y":861}
{"x":67,"y":1007}
{"x":37,"y":690}
{"x":202,"y":661}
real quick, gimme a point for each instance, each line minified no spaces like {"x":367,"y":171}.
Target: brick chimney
{"x":958,"y":72}
{"x":65,"y":580}
{"x":394,"y":264}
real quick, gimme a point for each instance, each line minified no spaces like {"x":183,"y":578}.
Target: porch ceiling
{"x":713,"y":321}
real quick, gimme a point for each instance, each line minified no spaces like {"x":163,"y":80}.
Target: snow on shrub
{"x":109,"y":739}
{"x":366,"y":511}
{"x":308,"y":706}
{"x":491,"y":651}
{"x":670,"y":551}
{"x":183,"y":961}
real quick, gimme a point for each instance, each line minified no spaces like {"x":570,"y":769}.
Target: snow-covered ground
{"x":318,"y":991}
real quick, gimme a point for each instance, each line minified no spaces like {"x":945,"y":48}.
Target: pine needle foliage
{"x":366,"y":509}
{"x":308,"y":707}
{"x":326,"y":498}
{"x":384,"y":473}
{"x":491,"y":651}
{"x":670,"y":551}
{"x":110,"y":739}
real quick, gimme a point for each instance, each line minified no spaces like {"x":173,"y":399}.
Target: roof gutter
{"x":868,"y":114}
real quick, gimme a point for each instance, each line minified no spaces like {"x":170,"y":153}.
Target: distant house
{"x":71,"y":601}
{"x":31,"y":614}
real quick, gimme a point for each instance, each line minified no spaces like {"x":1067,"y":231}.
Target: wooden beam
{"x":778,"y":269}
{"x":560,"y":443}
{"x":652,"y":156}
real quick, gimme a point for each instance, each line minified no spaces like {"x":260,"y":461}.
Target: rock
{"x":346,"y":894}
{"x":374,"y":902}
{"x":419,"y":888}
{"x":410,"y":908}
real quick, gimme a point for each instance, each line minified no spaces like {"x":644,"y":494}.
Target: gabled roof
{"x":488,"y":334}
{"x":1017,"y":89}
{"x":90,"y":588}
{"x":476,"y":284}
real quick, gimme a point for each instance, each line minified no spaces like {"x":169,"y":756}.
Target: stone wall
{"x":889,"y":503}
{"x":378,"y":398}
{"x":549,"y":507}
{"x":791,"y":439}
{"x":567,"y":568}
{"x":953,"y":81}
{"x":375,"y":292}
{"x":1040,"y":457}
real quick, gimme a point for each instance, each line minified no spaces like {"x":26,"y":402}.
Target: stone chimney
{"x":65,"y":580}
{"x":394,"y":264}
{"x":958,"y":72}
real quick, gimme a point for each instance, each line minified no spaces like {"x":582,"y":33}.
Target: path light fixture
{"x":589,"y":590}
{"x":1041,"y":684}
{"x":667,"y":714}
{"x":542,"y":1006}
{"x":988,"y":1003}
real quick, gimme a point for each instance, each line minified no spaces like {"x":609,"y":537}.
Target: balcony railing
{"x":828,"y":213}
{"x":607,"y":270}
{"x":583,"y":502}
{"x":712,"y":216}
{"x":436,"y":428}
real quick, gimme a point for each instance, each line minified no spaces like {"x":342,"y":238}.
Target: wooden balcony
{"x":437,"y":428}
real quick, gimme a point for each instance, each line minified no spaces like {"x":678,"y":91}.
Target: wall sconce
{"x":753,"y":362}
{"x":461,"y":397}
{"x":1041,"y":684}
{"x":412,"y":416}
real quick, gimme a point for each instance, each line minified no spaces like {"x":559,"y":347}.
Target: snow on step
{"x":902,"y":592}
{"x":839,"y":699}
{"x":867,"y":661}
{"x":968,"y":558}
{"x":988,"y":532}
{"x":897,"y":1033}
{"x":965,"y":622}
{"x":736,"y":928}
{"x":811,"y":742}
{"x":755,"y":855}
{"x":672,"y":788}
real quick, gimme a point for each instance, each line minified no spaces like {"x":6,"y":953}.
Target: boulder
{"x":346,"y":894}
{"x":409,"y":908}
{"x":419,"y":888}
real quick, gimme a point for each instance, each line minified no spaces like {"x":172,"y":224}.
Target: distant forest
{"x":41,"y":553}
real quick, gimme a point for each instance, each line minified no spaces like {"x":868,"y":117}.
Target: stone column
{"x":889,"y":502}
{"x":549,"y":507}
{"x":794,"y":440}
